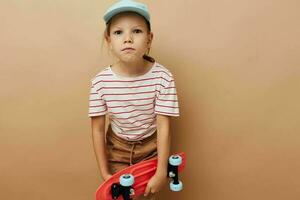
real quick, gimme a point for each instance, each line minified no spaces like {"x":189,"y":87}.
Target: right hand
{"x":106,"y":177}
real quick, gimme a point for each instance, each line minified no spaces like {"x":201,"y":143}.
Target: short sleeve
{"x":97,"y":105}
{"x":166,"y":102}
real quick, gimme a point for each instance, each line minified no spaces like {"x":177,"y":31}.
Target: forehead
{"x":128,"y":19}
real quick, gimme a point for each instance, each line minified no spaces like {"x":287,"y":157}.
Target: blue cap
{"x":124,"y":6}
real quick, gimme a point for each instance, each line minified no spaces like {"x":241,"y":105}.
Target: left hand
{"x":155,"y":184}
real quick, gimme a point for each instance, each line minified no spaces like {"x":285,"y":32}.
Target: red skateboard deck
{"x":142,"y":172}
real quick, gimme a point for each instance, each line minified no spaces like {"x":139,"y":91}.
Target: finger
{"x":147,"y":191}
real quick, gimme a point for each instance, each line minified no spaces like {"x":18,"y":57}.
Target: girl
{"x":137,"y":93}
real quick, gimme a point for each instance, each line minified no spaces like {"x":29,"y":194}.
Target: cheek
{"x":115,"y":44}
{"x":144,"y":42}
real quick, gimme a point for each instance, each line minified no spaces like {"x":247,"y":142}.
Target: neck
{"x":132,"y":68}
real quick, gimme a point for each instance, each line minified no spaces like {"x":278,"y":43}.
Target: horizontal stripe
{"x":167,"y":106}
{"x":120,"y":118}
{"x":133,"y":134}
{"x":140,"y":86}
{"x":167,"y":100}
{"x":136,"y":93}
{"x":97,"y":115}
{"x":131,"y":111}
{"x":128,"y":134}
{"x":137,"y":129}
{"x":169,"y":94}
{"x":130,"y":93}
{"x":135,"y":121}
{"x":132,"y":81}
{"x":128,"y":100}
{"x":98,"y":112}
{"x":97,"y":106}
{"x":135,"y":126}
{"x":159,"y":71}
{"x":130,"y":105}
{"x":168,"y":113}
{"x":96,"y":99}
{"x":140,"y":136}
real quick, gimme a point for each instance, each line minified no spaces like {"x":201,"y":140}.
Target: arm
{"x":163,"y":144}
{"x":98,"y":135}
{"x":163,"y":149}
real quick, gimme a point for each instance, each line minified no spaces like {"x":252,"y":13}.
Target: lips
{"x":128,"y":48}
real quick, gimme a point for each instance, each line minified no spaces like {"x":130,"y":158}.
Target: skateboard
{"x":132,"y":181}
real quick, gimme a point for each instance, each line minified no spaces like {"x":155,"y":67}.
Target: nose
{"x":128,"y":38}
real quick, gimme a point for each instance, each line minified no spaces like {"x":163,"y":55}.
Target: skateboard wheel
{"x":126,"y":180}
{"x":175,"y":160}
{"x":176,"y":187}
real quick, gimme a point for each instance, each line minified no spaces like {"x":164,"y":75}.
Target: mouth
{"x":128,"y":49}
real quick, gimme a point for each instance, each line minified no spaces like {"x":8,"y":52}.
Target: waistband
{"x":113,"y":134}
{"x":110,"y":133}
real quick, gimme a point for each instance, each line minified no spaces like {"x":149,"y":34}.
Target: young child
{"x":137,"y":93}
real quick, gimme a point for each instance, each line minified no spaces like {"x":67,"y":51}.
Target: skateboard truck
{"x":123,"y":188}
{"x":174,"y":162}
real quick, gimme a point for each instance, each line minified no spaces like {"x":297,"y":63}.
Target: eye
{"x":118,"y":32}
{"x":137,"y":31}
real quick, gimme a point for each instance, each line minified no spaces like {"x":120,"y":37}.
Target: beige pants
{"x":122,"y":153}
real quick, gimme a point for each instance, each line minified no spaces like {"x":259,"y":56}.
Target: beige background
{"x":236,"y":65}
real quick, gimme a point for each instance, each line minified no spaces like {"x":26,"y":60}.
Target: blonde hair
{"x":107,"y":34}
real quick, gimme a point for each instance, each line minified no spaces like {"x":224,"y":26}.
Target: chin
{"x":129,"y":58}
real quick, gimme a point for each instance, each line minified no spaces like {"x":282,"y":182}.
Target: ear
{"x":108,"y":40}
{"x":150,"y":38}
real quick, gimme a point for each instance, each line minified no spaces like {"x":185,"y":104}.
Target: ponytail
{"x":149,"y":58}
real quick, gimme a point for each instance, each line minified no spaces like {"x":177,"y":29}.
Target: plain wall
{"x":236,"y":66}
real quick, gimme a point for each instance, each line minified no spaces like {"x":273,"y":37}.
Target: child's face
{"x":129,"y":30}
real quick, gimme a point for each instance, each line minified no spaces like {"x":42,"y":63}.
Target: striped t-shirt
{"x":132,"y":103}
